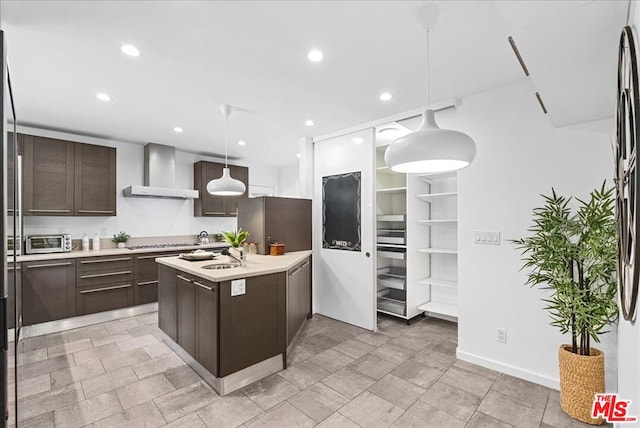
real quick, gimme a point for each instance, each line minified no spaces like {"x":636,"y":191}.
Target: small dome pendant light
{"x":430,"y":149}
{"x":226,"y":185}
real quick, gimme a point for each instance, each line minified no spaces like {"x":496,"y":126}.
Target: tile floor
{"x":120,"y":374}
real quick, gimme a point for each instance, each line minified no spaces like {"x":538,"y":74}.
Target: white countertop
{"x":115,"y":252}
{"x":256,"y":265}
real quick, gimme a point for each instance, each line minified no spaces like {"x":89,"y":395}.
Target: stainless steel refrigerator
{"x":10,"y":227}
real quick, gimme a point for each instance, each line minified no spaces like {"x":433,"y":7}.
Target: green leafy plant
{"x":574,"y":255}
{"x":235,"y":239}
{"x":121,"y":237}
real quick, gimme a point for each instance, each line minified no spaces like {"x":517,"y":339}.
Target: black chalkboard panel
{"x":341,"y":212}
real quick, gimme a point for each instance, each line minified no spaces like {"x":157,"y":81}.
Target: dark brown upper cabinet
{"x":216,"y":206}
{"x":66,"y":178}
{"x":95,"y":180}
{"x":48,"y":176}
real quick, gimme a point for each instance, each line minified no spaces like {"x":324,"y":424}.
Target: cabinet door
{"x":104,"y":297}
{"x":168,"y":302}
{"x":13,"y":286}
{"x":95,"y":180}
{"x":206,"y":204}
{"x":48,"y":290}
{"x":186,"y":314}
{"x":48,"y":176}
{"x":231,"y":202}
{"x":207,"y":325}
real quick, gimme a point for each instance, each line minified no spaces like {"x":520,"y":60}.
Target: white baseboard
{"x":549,"y":382}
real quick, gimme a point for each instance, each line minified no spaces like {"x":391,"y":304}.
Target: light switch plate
{"x":486,"y":237}
{"x":238,"y":287}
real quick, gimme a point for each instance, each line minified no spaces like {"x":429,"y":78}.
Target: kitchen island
{"x":234,"y":325}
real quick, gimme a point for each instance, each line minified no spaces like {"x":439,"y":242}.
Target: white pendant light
{"x":430,"y":149}
{"x":226,"y":185}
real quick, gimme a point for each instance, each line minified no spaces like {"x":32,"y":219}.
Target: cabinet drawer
{"x":85,"y":279}
{"x":105,"y":263}
{"x":104,"y":297}
{"x":145,"y":292}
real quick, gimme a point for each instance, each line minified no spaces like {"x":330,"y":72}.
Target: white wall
{"x":288,"y":181}
{"x":520,"y":156}
{"x":629,"y":334}
{"x":143,"y":216}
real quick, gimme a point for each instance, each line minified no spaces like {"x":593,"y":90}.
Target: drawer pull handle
{"x":48,"y":211}
{"x":203,"y":286}
{"x":156,"y":256}
{"x":49,"y":265}
{"x":12,"y":268}
{"x":121,"y":259}
{"x":183,"y":278}
{"x":99,"y":275}
{"x":95,"y":211}
{"x":147,"y":283}
{"x":117,"y":287}
{"x":214,"y":212}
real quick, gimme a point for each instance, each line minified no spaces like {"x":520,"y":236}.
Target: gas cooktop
{"x":139,"y":247}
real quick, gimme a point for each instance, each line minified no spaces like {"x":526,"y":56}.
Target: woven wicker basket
{"x":581,"y":377}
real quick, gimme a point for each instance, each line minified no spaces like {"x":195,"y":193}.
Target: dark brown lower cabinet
{"x":186,"y":313}
{"x":253,"y":325}
{"x":146,"y":277}
{"x":168,"y":301}
{"x":104,"y":297}
{"x":298,"y":297}
{"x":48,"y":290}
{"x":13,"y":284}
{"x":207,"y":324}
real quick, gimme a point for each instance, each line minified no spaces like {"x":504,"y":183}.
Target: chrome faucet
{"x":242,"y":261}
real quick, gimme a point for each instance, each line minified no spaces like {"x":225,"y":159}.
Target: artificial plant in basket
{"x":573,"y":254}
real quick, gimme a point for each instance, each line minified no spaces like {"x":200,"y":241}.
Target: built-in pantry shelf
{"x":441,"y":221}
{"x":437,"y":176}
{"x":393,"y":190}
{"x":440,"y":308}
{"x":391,"y":217}
{"x":437,"y":251}
{"x":431,"y":196}
{"x":440,"y":282}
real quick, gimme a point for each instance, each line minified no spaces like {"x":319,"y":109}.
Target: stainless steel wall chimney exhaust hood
{"x":159,"y":175}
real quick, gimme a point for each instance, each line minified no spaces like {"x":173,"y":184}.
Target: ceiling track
{"x":517,"y":53}
{"x":539,"y":98}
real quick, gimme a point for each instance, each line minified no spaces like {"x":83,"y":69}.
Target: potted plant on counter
{"x":235,"y":239}
{"x":574,"y":256}
{"x":121,"y":239}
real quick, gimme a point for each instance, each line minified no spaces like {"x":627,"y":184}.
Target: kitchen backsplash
{"x":144,"y":227}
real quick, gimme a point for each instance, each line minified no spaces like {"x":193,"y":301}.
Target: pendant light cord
{"x":428,"y":88}
{"x":226,"y":140}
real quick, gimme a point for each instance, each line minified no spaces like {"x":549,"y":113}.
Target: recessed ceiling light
{"x":358,"y":140}
{"x":385,"y":96}
{"x":178,"y":129}
{"x":315,"y":55}
{"x":130,"y":50}
{"x":297,"y":155}
{"x":103,"y":97}
{"x":241,"y":143}
{"x":309,"y":122}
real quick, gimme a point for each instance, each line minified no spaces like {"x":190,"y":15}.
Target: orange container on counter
{"x":276,"y":249}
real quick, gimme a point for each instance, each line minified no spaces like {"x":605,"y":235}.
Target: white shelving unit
{"x":436,"y":197}
{"x":391,"y":239}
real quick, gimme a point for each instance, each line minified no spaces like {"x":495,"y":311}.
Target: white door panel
{"x":344,"y":281}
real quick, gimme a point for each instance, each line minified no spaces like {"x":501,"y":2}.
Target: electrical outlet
{"x":501,"y":335}
{"x":238,"y":287}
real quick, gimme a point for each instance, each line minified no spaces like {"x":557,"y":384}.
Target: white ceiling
{"x":197,"y":55}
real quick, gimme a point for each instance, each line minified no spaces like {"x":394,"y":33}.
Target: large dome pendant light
{"x":430,"y":149}
{"x":226,"y":185}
